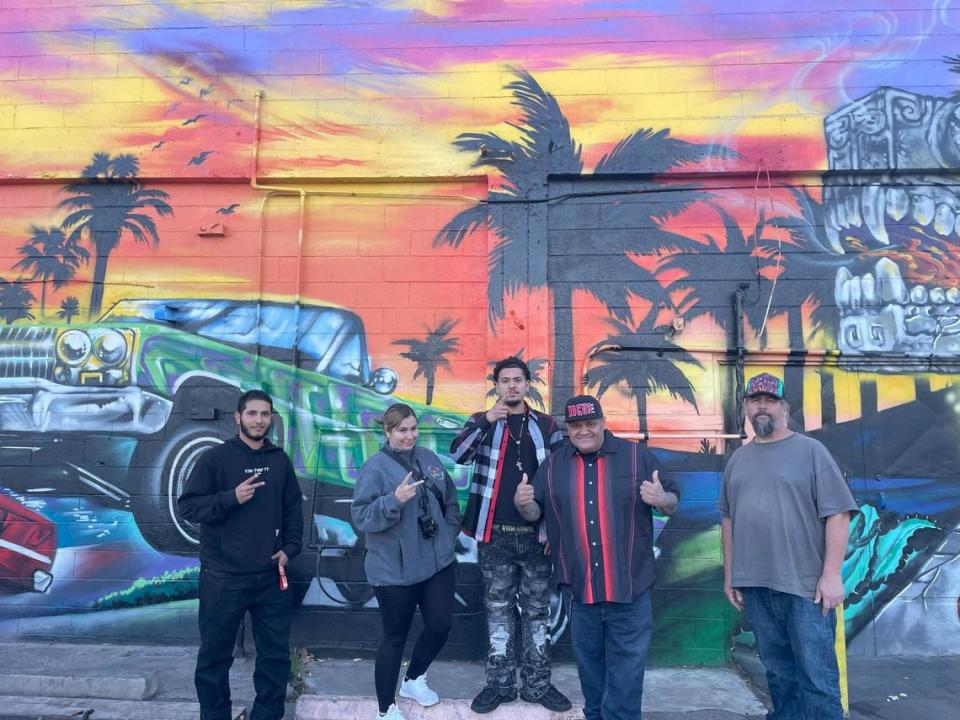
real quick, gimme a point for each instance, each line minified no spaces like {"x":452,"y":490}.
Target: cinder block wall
{"x":588,"y":185}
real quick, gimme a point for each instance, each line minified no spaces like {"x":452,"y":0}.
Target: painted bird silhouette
{"x":159,"y":145}
{"x":228,"y":210}
{"x":207,"y":90}
{"x":200,"y":157}
{"x":185,"y":81}
{"x":194,"y":119}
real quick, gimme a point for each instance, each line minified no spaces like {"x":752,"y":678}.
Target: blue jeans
{"x":610,"y":642}
{"x":796,"y":645}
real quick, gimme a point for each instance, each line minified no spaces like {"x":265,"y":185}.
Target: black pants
{"x":224,"y":598}
{"x":397,"y":606}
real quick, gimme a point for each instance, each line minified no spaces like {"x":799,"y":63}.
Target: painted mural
{"x":347,"y":204}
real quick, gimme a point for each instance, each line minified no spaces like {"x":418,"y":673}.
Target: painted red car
{"x":28,"y":547}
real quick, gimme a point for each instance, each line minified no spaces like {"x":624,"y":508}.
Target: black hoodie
{"x":237,"y":538}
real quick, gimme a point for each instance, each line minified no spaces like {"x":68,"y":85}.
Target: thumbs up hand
{"x":524,"y":495}
{"x":652,"y":492}
{"x":406,"y":489}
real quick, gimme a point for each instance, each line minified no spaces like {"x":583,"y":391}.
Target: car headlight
{"x":94,"y":356}
{"x":110,"y":347}
{"x":73,"y":347}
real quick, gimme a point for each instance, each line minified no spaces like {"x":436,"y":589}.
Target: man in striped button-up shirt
{"x":598,"y":494}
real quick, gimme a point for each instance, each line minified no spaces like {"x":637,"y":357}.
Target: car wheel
{"x":344,"y":568}
{"x":165,"y":465}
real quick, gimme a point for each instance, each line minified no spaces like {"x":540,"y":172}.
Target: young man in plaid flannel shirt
{"x":506,"y":444}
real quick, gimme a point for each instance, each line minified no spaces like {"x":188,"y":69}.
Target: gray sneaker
{"x":418,"y":691}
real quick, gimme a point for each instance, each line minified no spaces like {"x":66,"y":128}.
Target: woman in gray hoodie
{"x":406,"y":504}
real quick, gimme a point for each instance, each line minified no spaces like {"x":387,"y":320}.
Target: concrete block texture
{"x":73,"y":685}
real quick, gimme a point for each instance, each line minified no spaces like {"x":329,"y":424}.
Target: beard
{"x":513,"y":403}
{"x":763,"y":425}
{"x":252,"y":434}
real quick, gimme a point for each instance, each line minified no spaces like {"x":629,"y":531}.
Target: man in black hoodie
{"x":247,"y":500}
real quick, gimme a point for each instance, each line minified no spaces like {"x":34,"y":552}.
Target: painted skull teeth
{"x":875,"y":208}
{"x":885,"y":189}
{"x":880,"y":313}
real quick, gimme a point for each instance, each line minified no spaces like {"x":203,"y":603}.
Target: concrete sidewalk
{"x":136,"y":682}
{"x":334,"y":687}
{"x":55,"y":681}
{"x":885,"y":688}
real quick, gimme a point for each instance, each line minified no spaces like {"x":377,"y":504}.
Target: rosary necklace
{"x":517,"y":439}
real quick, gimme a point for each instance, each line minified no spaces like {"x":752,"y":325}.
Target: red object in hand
{"x":283,"y":579}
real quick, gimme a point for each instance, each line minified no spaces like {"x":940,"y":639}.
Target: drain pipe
{"x":275,"y":191}
{"x":740,"y":350}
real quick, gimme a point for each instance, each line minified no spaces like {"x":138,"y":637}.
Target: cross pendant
{"x":519,"y":466}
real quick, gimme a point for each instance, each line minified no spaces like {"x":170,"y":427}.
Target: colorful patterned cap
{"x":582,"y":407}
{"x":764,"y":384}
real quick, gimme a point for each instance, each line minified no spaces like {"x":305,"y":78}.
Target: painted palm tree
{"x":810,"y":265}
{"x":52,"y":258}
{"x":517,"y":214}
{"x":805,"y":267}
{"x":430,"y":353}
{"x":536,"y":367}
{"x":69,"y":309}
{"x":652,"y":366}
{"x":107,"y":204}
{"x":16,"y":300}
{"x":707,"y":280}
{"x":710,"y":276}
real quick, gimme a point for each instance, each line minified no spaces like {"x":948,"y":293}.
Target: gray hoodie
{"x":397,"y":554}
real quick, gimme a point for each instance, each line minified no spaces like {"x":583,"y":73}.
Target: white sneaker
{"x":393,"y":713}
{"x":418,"y":691}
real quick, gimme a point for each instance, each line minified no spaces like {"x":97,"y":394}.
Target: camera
{"x":428,"y":526}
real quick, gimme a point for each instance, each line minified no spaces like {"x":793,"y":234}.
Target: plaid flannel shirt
{"x":482,"y":443}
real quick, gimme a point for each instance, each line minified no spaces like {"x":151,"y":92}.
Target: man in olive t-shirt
{"x":785,"y":512}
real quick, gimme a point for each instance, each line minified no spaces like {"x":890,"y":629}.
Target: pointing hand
{"x":406,"y":489}
{"x":652,"y":492}
{"x":245,"y":490}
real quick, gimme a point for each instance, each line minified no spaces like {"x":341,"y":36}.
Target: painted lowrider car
{"x":122,"y":408}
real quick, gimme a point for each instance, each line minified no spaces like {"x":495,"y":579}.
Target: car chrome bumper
{"x":48,"y":407}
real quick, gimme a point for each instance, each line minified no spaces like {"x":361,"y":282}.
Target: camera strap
{"x":418,"y":474}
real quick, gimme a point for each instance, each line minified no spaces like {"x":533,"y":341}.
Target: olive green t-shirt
{"x":778,"y":496}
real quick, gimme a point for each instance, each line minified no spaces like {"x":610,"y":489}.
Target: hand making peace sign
{"x":406,"y":489}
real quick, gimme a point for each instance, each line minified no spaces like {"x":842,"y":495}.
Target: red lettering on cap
{"x":580,"y":409}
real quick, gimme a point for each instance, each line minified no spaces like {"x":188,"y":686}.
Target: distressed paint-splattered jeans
{"x":514,"y":569}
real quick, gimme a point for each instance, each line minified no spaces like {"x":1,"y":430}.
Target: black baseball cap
{"x":582,"y":407}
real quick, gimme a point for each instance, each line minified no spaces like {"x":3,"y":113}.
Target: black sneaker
{"x":489,"y":699}
{"x":551,"y":699}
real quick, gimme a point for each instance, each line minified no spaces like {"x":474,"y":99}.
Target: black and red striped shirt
{"x":600,"y":529}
